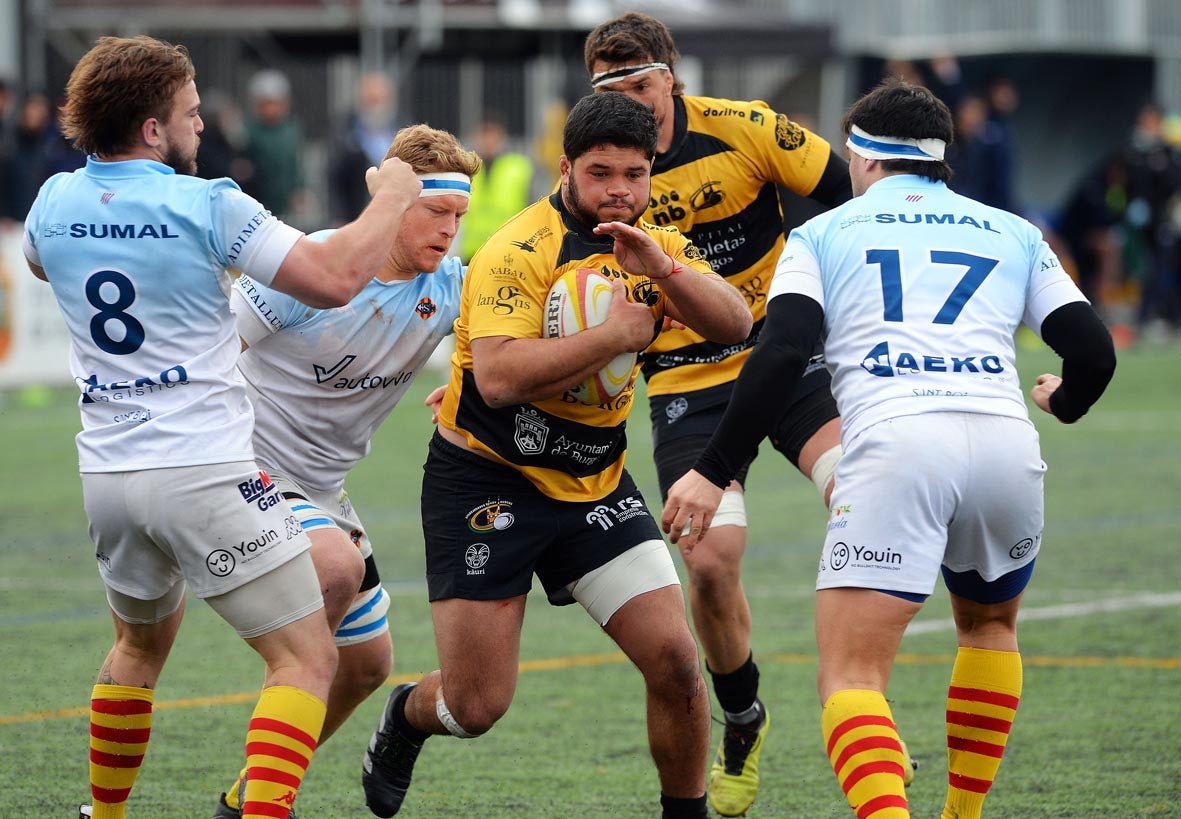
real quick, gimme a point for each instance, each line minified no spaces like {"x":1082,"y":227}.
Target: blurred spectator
{"x":1089,"y":227}
{"x":501,"y":189}
{"x":977,"y":155}
{"x":1154,"y":182}
{"x":274,"y":147}
{"x":223,"y":140}
{"x":1003,"y":101}
{"x":547,"y":147}
{"x":363,"y":144}
{"x":7,"y":96}
{"x":6,"y":104}
{"x":27,"y":153}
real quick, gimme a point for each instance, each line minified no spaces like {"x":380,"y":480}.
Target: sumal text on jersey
{"x":80,"y":230}
{"x":918,"y":219}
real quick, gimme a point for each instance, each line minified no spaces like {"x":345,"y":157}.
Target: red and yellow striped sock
{"x":862,"y":744}
{"x":981,"y":703}
{"x":279,"y":745}
{"x":120,"y":725}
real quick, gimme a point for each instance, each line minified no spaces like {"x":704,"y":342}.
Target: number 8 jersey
{"x":922,"y":291}
{"x":137,"y":256}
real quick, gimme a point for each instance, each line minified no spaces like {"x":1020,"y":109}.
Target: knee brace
{"x":449,"y":722}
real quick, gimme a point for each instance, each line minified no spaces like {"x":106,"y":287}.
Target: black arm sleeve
{"x":765,"y":385}
{"x":1076,"y":333}
{"x":834,"y":187}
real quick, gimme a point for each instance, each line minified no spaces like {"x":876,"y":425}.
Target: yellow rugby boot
{"x":734,"y":775}
{"x":909,"y":766}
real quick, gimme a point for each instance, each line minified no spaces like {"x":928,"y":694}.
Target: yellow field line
{"x":618,"y":658}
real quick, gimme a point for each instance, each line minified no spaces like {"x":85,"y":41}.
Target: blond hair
{"x":430,"y":150}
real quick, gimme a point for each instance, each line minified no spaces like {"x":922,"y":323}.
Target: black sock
{"x":402,"y":725}
{"x":738,"y":690}
{"x":672,"y":807}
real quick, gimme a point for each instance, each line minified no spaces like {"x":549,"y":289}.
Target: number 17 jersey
{"x":922,"y":291}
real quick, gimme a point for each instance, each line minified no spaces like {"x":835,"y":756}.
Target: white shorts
{"x":323,"y":510}
{"x":961,"y":490}
{"x":216,"y":526}
{"x":367,"y":617}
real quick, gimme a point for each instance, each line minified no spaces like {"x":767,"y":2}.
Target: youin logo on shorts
{"x":1021,"y":548}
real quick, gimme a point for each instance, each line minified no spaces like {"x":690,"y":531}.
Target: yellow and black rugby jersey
{"x":717,"y":185}
{"x":570,"y":451}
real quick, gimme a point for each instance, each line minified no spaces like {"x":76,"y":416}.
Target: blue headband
{"x":445,"y":184}
{"x":881,"y":147}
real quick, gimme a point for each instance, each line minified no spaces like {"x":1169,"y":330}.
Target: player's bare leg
{"x":721,"y":616}
{"x":652,"y":630}
{"x":479,"y":643}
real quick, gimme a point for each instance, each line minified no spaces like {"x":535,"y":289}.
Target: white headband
{"x":623,"y":72}
{"x":445,"y":184}
{"x":884,"y":147}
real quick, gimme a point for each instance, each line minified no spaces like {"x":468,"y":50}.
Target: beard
{"x":589,"y":215}
{"x":185,"y":164}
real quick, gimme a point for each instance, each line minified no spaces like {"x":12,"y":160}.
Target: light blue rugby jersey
{"x":322,"y":381}
{"x":922,"y":291}
{"x":137,"y":256}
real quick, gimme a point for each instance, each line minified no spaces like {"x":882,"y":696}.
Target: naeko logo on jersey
{"x":880,"y":362}
{"x":261,"y":491}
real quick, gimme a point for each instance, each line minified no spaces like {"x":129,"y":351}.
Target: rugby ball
{"x":578,"y":300}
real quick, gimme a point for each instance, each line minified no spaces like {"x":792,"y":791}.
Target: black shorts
{"x":682,"y":424}
{"x":488,"y":530}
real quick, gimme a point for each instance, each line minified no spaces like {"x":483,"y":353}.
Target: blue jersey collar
{"x":126,"y":167}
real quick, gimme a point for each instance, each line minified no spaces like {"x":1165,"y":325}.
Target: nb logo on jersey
{"x":881,"y":363}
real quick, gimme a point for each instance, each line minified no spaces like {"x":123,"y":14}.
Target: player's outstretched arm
{"x":761,"y":393}
{"x":329,"y":273}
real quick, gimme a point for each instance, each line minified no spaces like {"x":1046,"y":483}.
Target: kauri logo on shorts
{"x":476,"y":556}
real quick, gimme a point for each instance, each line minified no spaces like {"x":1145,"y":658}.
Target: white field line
{"x":1065,"y":610}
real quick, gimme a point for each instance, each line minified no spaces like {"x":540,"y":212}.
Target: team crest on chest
{"x":425,"y":308}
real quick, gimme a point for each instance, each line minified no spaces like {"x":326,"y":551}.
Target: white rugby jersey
{"x":922,"y":291}
{"x":137,"y":257}
{"x":322,"y":381}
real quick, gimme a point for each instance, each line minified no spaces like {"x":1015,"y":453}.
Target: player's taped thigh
{"x":146,"y":612}
{"x":825,"y":468}
{"x":731,"y":510}
{"x":641,"y":569}
{"x":449,"y":722}
{"x":366,"y":619}
{"x":286,"y":593}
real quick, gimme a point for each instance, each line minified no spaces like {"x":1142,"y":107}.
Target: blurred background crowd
{"x":1084,"y":142}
